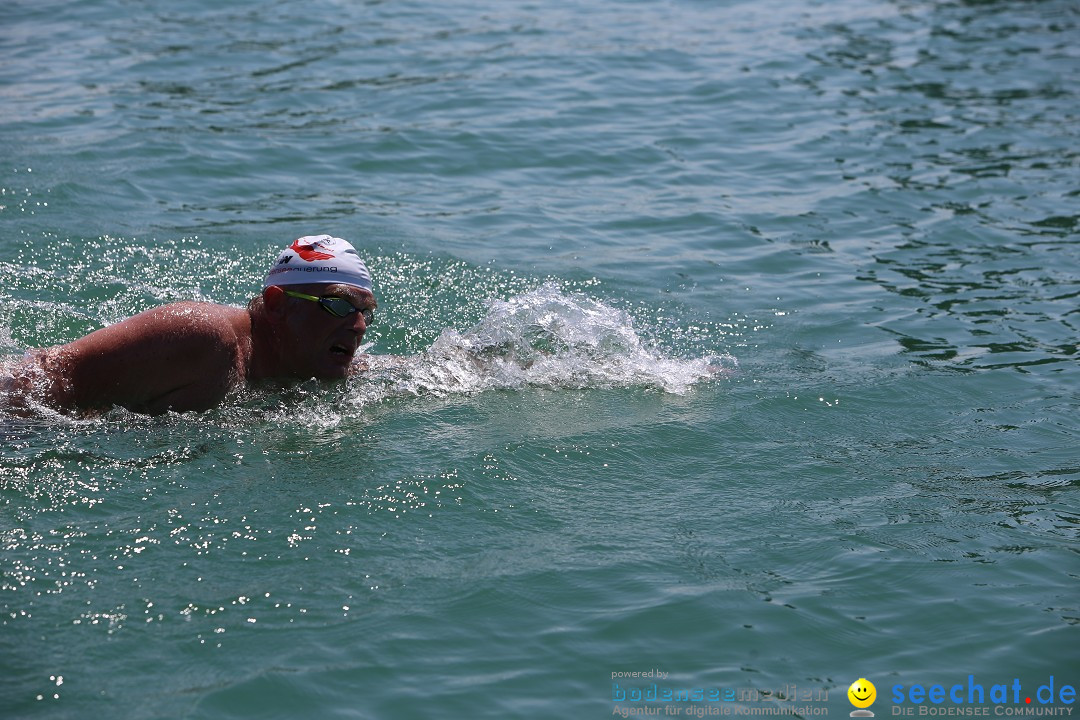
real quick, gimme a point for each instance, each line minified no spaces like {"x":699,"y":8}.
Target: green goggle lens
{"x":336,"y":306}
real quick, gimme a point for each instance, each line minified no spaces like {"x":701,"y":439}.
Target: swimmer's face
{"x":322,"y":344}
{"x":862,"y":693}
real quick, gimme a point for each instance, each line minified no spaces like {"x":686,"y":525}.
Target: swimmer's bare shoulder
{"x":183,"y":356}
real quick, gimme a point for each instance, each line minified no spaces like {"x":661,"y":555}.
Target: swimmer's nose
{"x":356,"y":323}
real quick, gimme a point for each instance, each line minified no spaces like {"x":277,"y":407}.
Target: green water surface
{"x":744,"y":342}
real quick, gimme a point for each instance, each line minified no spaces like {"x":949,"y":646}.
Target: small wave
{"x":543,"y":339}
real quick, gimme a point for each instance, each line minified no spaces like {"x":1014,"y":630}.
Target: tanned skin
{"x":189,"y":355}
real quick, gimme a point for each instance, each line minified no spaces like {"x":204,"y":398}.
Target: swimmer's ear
{"x":274,"y":300}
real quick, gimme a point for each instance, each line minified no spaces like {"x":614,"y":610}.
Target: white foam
{"x":546,"y":339}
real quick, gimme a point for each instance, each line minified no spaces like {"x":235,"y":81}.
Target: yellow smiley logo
{"x":862,"y":693}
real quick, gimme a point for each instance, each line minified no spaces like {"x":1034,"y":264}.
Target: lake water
{"x":743,"y":344}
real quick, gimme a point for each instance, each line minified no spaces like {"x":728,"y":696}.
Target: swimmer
{"x":308,"y":322}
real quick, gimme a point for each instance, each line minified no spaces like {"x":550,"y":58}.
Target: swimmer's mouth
{"x":341,"y":350}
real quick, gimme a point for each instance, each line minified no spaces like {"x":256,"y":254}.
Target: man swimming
{"x":309,"y":320}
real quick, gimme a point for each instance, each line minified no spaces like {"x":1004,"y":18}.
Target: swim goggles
{"x":336,"y":306}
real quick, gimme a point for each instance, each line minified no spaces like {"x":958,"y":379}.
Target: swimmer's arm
{"x":175,"y":357}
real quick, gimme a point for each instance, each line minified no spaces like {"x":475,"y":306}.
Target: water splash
{"x":544,"y":338}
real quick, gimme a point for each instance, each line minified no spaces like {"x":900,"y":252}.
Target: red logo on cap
{"x":308,"y":252}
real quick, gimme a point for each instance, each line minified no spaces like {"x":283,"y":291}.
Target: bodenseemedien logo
{"x":862,"y":694}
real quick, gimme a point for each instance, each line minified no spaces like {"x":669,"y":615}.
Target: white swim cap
{"x":319,"y":259}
